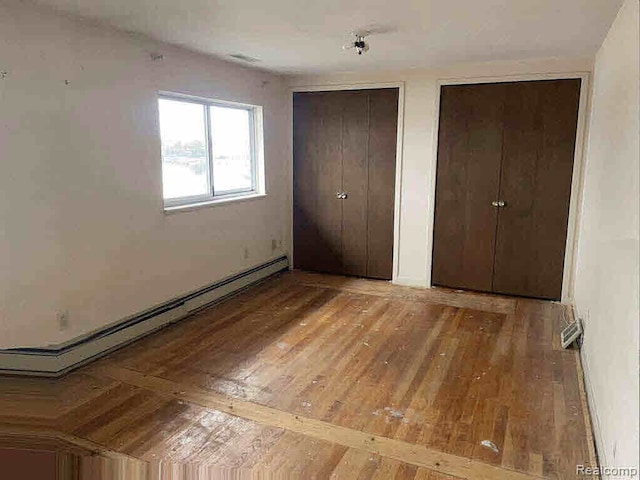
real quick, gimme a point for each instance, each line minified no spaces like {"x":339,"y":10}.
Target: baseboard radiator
{"x":59,"y":359}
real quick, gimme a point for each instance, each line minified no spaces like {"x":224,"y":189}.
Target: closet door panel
{"x":345,"y":142}
{"x":317,"y":176}
{"x":383,"y":132}
{"x":467,"y":181}
{"x":355,"y":169}
{"x":539,"y":143}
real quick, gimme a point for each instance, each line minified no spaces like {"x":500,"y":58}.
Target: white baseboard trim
{"x":593,"y":411}
{"x":588,"y":387}
{"x":410,"y":281}
{"x":57,"y":360}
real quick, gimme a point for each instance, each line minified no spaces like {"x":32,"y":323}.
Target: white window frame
{"x":257,"y":188}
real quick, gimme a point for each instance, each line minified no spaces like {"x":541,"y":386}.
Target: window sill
{"x":168,"y":210}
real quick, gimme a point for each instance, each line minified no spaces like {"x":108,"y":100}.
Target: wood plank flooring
{"x":318,"y":376}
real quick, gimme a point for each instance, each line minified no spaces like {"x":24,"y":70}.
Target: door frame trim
{"x":577,"y":183}
{"x":399,"y":143}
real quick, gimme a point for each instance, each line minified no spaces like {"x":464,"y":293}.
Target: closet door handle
{"x":498,"y":204}
{"x":341,"y":195}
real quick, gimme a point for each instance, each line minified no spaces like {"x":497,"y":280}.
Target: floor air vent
{"x":570,"y":333}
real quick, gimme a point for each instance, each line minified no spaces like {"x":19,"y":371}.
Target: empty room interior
{"x":319,"y":240}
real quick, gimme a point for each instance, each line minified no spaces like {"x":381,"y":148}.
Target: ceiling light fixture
{"x":359,"y":43}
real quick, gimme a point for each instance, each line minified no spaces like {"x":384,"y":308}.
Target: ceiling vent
{"x":244,"y":58}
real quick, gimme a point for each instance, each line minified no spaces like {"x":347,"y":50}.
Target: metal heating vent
{"x":570,"y":333}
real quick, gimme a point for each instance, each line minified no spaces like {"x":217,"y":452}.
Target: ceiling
{"x":306,"y":36}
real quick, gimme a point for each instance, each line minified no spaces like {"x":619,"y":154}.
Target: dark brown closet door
{"x":355,"y":134}
{"x":345,"y":141}
{"x":383,"y":133}
{"x":537,"y":163}
{"x":317,"y":153}
{"x":467,"y":181}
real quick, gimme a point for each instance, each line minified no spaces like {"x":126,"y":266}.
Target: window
{"x":209,"y":150}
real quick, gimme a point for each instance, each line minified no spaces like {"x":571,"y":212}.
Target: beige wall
{"x":81,"y":222}
{"x":606,"y":286}
{"x":418,"y":152}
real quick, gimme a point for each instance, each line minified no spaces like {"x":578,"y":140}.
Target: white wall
{"x":418,"y":152}
{"x":606,"y":284}
{"x":82,"y":227}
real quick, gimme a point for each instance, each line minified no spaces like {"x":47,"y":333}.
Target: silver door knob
{"x":341,"y":195}
{"x":498,"y":203}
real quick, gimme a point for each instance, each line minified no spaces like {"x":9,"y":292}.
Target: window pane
{"x":185,"y":169}
{"x":231,"y":138}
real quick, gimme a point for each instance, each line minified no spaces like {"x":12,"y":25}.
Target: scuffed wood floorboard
{"x":318,"y":376}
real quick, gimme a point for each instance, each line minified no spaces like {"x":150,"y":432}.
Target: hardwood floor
{"x":317,"y":376}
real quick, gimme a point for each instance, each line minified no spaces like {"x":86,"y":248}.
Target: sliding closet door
{"x":540,"y":121}
{"x":317,"y":153}
{"x":467,"y":182}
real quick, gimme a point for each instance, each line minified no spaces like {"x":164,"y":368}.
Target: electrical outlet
{"x":246,"y":253}
{"x":63,"y":320}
